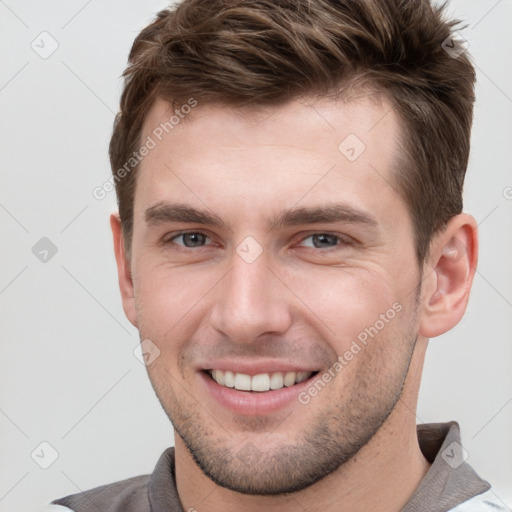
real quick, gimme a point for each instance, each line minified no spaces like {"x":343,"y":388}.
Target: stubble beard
{"x":268,"y":464}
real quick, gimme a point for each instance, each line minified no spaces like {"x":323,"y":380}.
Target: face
{"x":274,"y":273}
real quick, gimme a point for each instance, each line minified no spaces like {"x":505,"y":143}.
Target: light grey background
{"x":68,"y":373}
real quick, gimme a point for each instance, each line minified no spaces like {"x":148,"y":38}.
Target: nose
{"x":251,"y":301}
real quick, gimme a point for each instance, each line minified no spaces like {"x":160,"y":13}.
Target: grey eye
{"x":191,"y":239}
{"x":321,"y":240}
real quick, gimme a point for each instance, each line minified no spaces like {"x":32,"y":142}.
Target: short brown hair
{"x":267,"y":52}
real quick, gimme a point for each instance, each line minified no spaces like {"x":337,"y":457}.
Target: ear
{"x":449,"y":274}
{"x":123,"y":270}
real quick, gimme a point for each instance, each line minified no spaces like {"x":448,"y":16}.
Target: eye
{"x":190,"y":239}
{"x":324,"y":241}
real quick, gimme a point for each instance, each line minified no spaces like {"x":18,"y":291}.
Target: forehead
{"x":300,"y":152}
{"x":368,"y":116}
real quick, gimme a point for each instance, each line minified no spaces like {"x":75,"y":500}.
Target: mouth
{"x":256,"y":389}
{"x":260,"y":383}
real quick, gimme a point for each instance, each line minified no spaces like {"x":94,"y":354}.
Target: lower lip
{"x":254,"y":403}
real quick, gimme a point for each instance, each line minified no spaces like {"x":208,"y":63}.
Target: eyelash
{"x":343,"y":240}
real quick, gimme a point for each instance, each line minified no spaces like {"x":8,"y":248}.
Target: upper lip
{"x":257,"y":367}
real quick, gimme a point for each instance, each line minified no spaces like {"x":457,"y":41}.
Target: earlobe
{"x":452,"y":265}
{"x":123,"y":270}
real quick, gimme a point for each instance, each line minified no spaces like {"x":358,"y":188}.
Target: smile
{"x":261,"y":382}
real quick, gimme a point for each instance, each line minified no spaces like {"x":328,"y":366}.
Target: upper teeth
{"x":260,"y":382}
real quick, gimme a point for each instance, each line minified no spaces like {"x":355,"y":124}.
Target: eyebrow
{"x":175,"y":212}
{"x":329,"y":213}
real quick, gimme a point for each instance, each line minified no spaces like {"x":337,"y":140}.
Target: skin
{"x":354,"y":445}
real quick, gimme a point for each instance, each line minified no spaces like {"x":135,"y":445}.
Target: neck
{"x":383,"y":475}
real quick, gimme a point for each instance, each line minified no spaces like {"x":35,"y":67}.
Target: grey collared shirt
{"x":450,"y":484}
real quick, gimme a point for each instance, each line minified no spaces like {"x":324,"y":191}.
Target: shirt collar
{"x":450,"y":480}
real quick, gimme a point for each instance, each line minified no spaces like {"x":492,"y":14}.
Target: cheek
{"x":348,"y":301}
{"x":170,"y":302}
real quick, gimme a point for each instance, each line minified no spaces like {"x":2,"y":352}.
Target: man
{"x":290,"y":235}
